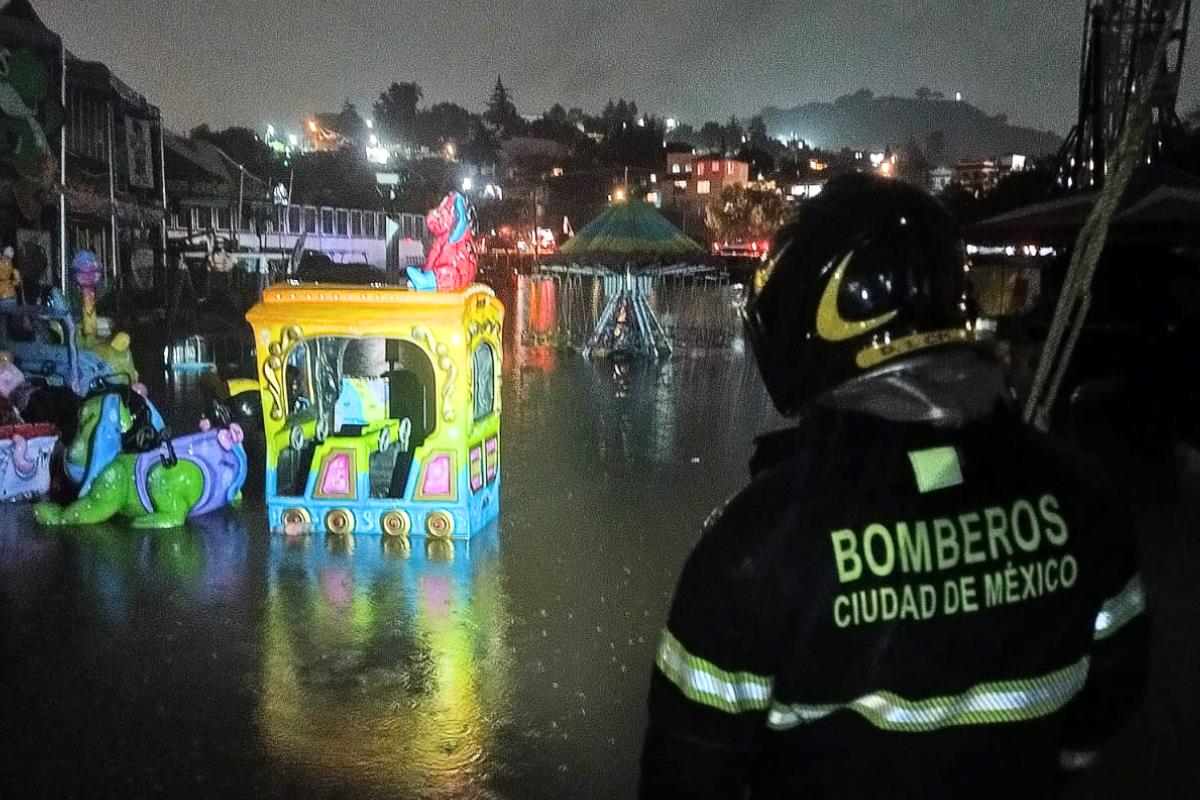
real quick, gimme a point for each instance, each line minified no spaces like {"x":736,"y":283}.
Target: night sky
{"x":249,"y":62}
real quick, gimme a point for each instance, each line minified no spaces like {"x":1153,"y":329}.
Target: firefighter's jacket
{"x":895,"y":610}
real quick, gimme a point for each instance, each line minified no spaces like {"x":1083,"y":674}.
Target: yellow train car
{"x":381,"y":408}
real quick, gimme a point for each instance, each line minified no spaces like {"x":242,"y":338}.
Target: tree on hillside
{"x":862,"y":96}
{"x":760,"y":161}
{"x":685,"y":133}
{"x":1014,"y":190}
{"x":556,"y":129}
{"x":635,"y":146}
{"x":914,"y":165}
{"x":710,"y":135}
{"x":482,"y":146}
{"x":619,"y":115}
{"x":502,"y":113}
{"x":739,"y":214}
{"x":242,"y":145}
{"x":935,"y":148}
{"x":731,"y":135}
{"x":350,"y":123}
{"x":756,"y":132}
{"x":442,"y":123}
{"x":396,"y":111}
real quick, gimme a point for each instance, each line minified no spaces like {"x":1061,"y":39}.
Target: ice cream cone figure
{"x":87,"y":270}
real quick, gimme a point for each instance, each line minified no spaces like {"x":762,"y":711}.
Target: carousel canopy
{"x":630,"y":233}
{"x":1161,"y":205}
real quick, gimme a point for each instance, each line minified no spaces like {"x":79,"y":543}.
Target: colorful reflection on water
{"x":385,"y":662}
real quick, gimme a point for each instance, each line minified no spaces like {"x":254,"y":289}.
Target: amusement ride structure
{"x":1121,"y":65}
{"x":1129,"y":83}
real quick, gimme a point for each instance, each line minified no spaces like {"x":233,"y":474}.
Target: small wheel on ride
{"x":296,"y":439}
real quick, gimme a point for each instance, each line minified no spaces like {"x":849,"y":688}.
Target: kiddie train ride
{"x":381,"y":404}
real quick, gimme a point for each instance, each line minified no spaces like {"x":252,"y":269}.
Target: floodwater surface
{"x":221,"y":660}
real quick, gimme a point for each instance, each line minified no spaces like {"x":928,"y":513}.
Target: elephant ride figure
{"x":126,"y":465}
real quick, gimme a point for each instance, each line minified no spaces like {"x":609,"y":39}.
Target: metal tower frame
{"x":1118,"y":40}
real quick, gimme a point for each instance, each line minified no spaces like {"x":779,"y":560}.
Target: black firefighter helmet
{"x":868,"y":272}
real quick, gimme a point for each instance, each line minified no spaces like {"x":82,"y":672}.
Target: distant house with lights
{"x":680,"y":164}
{"x":980,"y":177}
{"x":700,"y":176}
{"x":326,"y":132}
{"x":940,"y":179}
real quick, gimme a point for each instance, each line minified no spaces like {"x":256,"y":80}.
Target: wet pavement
{"x":225,"y":661}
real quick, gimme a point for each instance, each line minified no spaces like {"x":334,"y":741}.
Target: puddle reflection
{"x":385,"y":661}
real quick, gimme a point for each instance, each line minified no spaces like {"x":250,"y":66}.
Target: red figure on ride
{"x":451,"y":263}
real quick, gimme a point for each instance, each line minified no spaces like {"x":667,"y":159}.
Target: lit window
{"x":716,"y":166}
{"x":729,"y":168}
{"x":680,"y":184}
{"x":688,"y":168}
{"x":703,"y":187}
{"x":700,"y":168}
{"x":674,"y":169}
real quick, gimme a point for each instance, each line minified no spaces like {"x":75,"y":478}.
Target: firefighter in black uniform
{"x":916,"y":596}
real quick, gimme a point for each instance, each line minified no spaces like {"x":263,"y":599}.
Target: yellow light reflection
{"x":384,"y":668}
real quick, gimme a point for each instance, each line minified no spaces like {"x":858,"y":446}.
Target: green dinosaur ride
{"x":184,"y":477}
